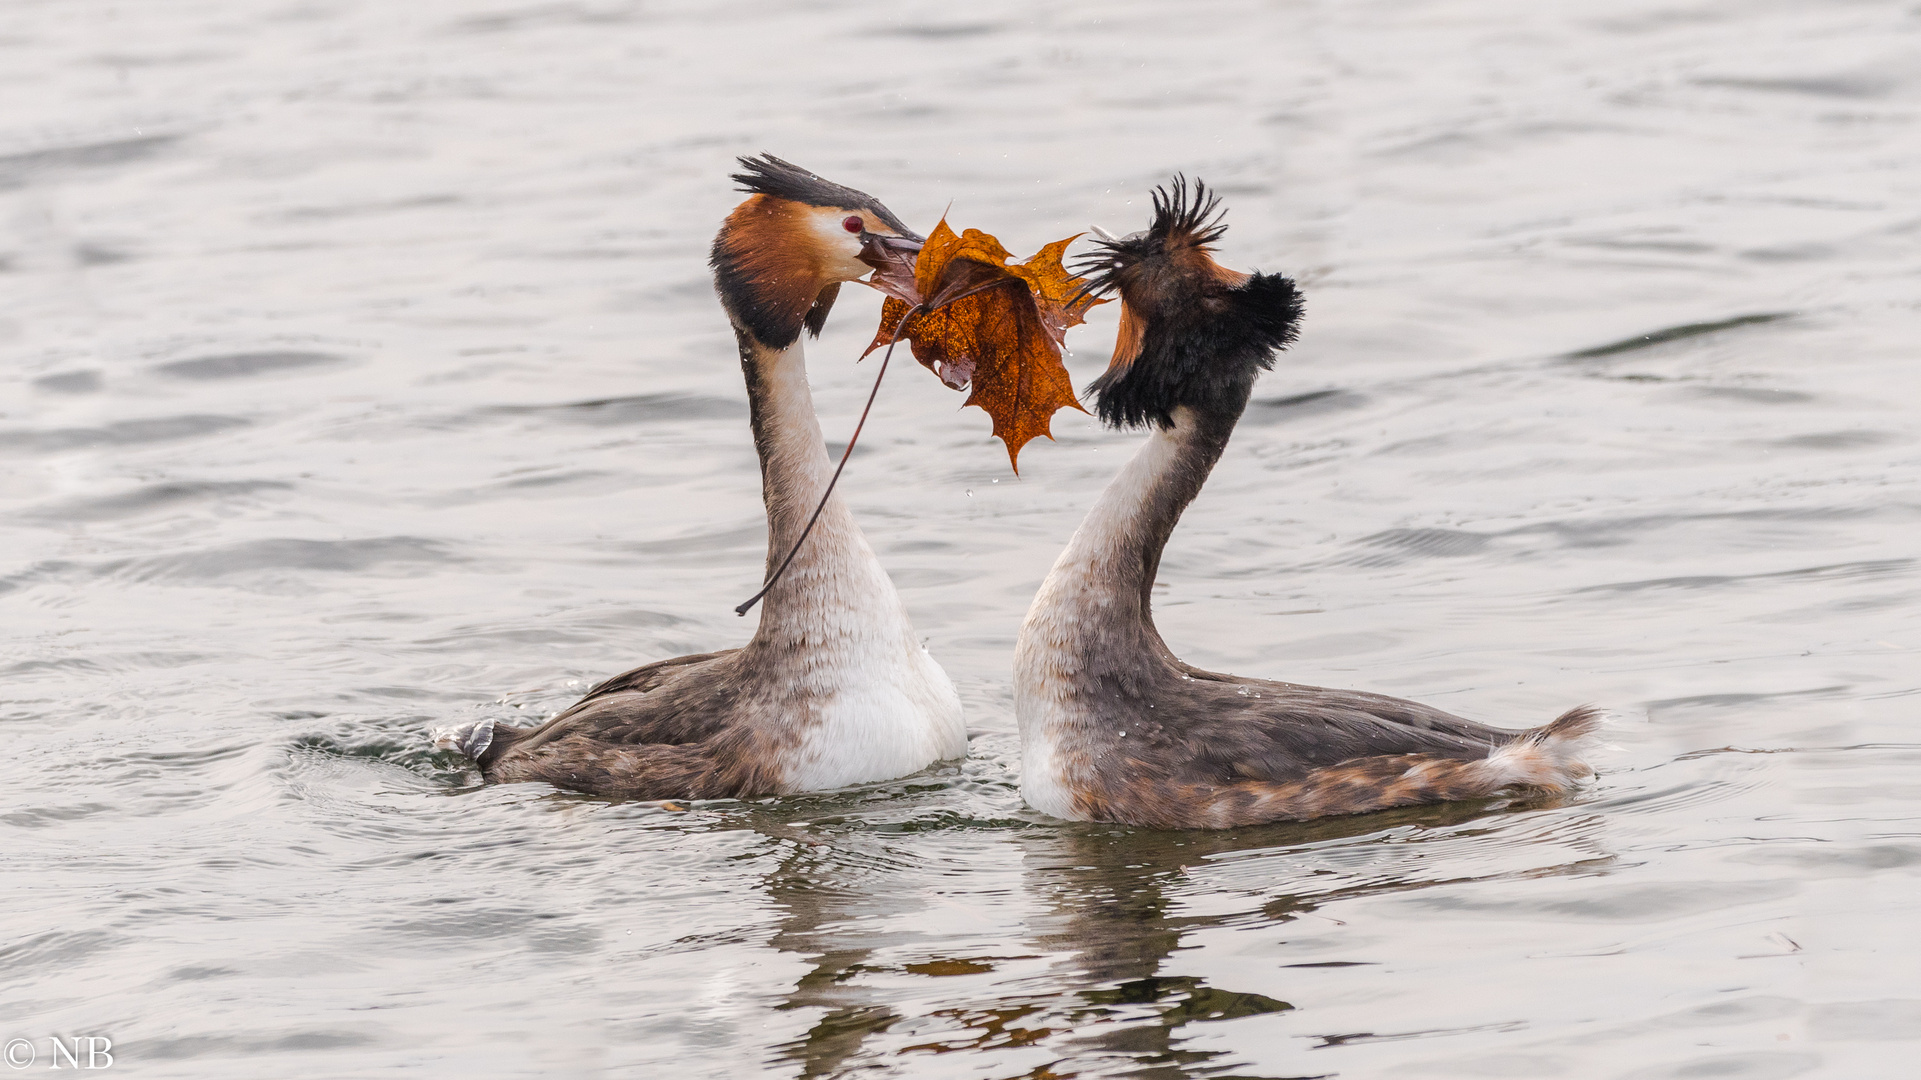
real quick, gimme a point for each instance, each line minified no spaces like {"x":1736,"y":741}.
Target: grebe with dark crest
{"x":834,"y":688}
{"x":1115,"y":727}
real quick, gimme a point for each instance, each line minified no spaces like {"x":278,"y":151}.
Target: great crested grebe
{"x":1114,"y":727}
{"x":834,"y":688}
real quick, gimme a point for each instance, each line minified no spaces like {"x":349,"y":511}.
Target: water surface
{"x":363,"y":375}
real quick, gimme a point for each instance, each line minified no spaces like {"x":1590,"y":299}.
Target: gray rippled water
{"x":363,"y":374}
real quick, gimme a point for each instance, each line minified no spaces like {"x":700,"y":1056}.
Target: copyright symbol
{"x":19,"y":1053}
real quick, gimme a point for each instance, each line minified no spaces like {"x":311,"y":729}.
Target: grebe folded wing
{"x":672,"y":701}
{"x":645,"y":677}
{"x":1280,"y":732}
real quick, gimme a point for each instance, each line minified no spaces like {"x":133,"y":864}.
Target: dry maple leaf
{"x":973,"y":319}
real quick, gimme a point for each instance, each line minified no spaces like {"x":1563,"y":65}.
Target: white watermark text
{"x":77,"y":1052}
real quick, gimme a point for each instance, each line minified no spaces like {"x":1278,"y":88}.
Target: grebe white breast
{"x":1115,"y":727}
{"x":834,"y":688}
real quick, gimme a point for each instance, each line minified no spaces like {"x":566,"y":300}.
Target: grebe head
{"x":781,"y":255}
{"x":1192,"y":331}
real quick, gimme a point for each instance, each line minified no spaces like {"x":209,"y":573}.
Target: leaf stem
{"x":747,"y":606}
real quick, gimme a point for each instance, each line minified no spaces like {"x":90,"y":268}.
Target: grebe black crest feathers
{"x":834,"y":687}
{"x":769,"y":175}
{"x":1115,"y":727}
{"x":1215,"y":329}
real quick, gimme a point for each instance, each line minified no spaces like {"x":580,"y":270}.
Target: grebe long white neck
{"x":835,"y":589}
{"x":1106,"y":573}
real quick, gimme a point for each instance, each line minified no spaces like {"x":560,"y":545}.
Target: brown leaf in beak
{"x":973,"y":319}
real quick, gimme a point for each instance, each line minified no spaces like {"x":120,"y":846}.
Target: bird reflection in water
{"x":1111,"y":918}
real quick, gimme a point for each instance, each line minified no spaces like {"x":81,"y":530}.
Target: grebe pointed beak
{"x":884,"y":252}
{"x":1103,"y":233}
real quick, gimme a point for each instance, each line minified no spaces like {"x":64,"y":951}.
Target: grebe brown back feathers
{"x":834,"y":688}
{"x":1114,"y":726}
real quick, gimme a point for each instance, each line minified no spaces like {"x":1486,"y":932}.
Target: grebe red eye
{"x":853,"y":223}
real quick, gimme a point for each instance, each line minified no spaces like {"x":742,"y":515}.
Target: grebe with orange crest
{"x":834,"y":688}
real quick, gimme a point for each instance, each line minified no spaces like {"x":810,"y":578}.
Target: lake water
{"x":363,"y":375}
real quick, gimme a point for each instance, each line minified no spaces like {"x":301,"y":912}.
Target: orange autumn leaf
{"x":973,"y":319}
